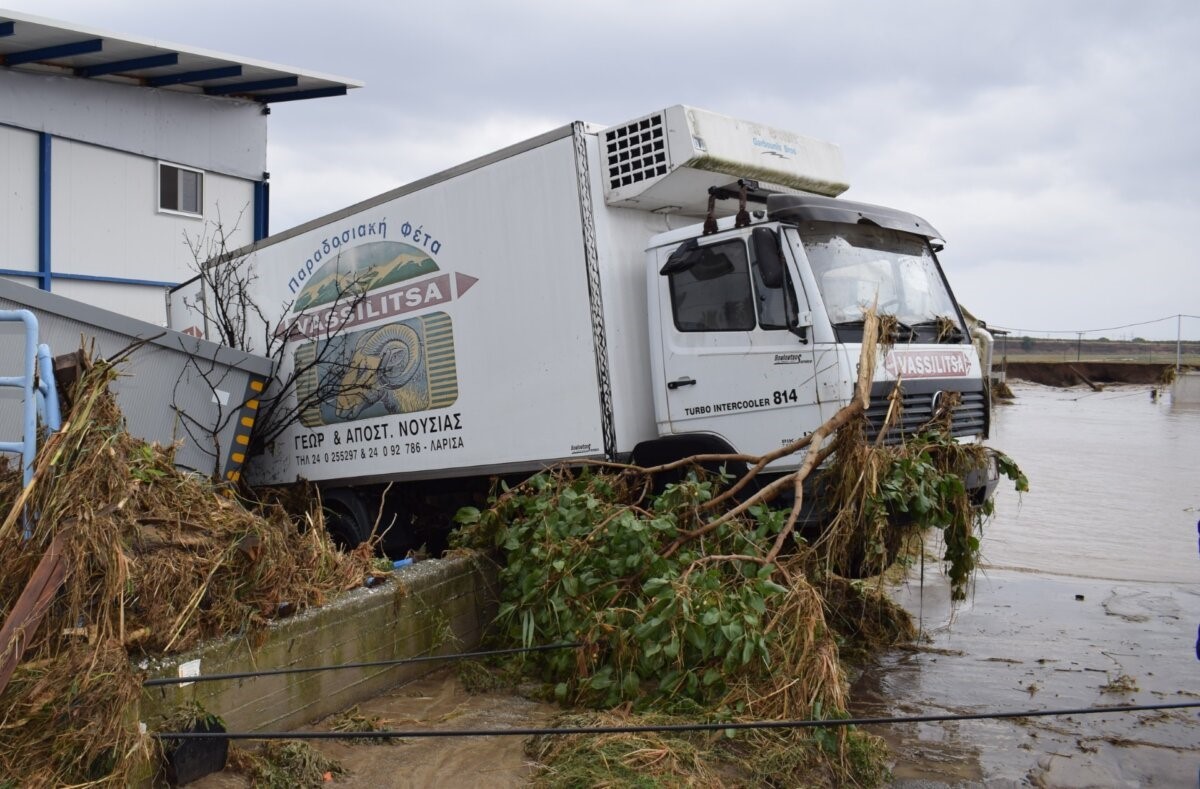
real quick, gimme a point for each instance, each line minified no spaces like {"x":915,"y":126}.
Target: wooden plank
{"x":1085,"y":379}
{"x":30,"y":608}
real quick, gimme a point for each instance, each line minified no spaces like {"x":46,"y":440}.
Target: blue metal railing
{"x":38,"y":396}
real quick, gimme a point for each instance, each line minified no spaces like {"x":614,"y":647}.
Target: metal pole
{"x":1004,"y":367}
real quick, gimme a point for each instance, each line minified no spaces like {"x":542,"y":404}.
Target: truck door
{"x":737,"y":358}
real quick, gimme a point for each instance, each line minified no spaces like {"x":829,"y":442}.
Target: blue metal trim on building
{"x":45,"y":146}
{"x":59,"y":51}
{"x":36,"y":42}
{"x":262,"y":209}
{"x":150,"y":283}
{"x":249,"y":87}
{"x":299,"y":95}
{"x":115,"y":280}
{"x":117,"y":66}
{"x":221,"y":72}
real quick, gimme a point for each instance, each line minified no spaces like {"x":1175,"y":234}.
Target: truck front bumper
{"x":981,"y":482}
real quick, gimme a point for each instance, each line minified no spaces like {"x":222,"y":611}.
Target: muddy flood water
{"x":1090,"y":596}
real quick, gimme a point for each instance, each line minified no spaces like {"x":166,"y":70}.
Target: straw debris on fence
{"x":155,"y":561}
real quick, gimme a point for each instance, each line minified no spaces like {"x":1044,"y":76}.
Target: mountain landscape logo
{"x":363,"y":350}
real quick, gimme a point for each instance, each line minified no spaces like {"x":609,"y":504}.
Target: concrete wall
{"x":432,"y":607}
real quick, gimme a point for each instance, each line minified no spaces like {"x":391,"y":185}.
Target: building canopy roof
{"x":48,"y":46}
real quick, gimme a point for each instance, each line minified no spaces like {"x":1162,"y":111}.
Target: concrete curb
{"x":431,"y":607}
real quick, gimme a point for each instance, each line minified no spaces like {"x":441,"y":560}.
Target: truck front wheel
{"x":671,"y":448}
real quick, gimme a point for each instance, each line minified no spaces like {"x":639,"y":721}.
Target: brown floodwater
{"x":1115,"y":485}
{"x":1089,"y":596}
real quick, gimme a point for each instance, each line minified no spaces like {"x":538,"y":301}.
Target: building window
{"x":180,"y":189}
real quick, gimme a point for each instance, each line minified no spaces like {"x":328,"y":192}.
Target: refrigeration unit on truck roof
{"x":666,"y":161}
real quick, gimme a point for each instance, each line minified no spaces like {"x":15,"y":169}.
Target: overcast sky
{"x":1056,"y":145}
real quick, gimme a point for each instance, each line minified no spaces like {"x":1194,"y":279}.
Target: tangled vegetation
{"x":152,"y":561}
{"x":285,"y":764}
{"x":679,"y":618}
{"x":692,"y":601}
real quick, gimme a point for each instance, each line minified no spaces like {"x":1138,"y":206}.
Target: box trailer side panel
{"x":470,"y":346}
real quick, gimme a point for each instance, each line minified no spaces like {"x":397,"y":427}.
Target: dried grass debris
{"x":155,"y":562}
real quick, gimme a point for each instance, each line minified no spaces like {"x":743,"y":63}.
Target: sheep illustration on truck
{"x":680,"y":283}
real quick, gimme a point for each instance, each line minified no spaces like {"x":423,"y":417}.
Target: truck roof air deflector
{"x":813,"y":208}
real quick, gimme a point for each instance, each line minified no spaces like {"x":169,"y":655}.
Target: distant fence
{"x":1030,"y":349}
{"x":1110,"y":344}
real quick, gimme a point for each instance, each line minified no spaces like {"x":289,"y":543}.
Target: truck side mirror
{"x":766,"y":252}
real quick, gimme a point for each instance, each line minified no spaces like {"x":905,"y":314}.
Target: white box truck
{"x":561,"y":299}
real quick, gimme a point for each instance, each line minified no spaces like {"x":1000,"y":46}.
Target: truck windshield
{"x":855,"y":265}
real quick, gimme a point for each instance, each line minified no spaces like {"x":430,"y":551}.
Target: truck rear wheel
{"x":346,"y":518}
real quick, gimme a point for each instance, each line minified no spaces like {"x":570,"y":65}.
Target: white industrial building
{"x":114,"y":149}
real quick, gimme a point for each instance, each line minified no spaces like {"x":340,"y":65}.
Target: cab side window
{"x":710,"y":288}
{"x":772,"y":283}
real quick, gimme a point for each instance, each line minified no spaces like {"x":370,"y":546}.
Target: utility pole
{"x":1178,"y":343}
{"x":1078,"y":345}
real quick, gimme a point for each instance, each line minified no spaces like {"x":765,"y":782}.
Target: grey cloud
{"x":1054,"y":139}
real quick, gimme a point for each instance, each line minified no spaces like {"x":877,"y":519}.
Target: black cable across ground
{"x":669,"y":727}
{"x":158,"y":681}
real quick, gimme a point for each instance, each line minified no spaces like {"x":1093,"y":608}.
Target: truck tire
{"x":671,"y":448}
{"x":346,"y":518}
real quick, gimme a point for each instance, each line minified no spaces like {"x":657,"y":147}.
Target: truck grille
{"x":635,"y":152}
{"x":970,"y":415}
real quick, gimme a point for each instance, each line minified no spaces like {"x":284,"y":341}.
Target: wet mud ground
{"x":1028,"y":641}
{"x":437,"y":701}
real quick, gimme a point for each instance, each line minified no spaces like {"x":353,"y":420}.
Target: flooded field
{"x":1088,"y":597}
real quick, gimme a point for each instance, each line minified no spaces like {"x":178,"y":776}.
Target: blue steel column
{"x":44,"y":145}
{"x":262,"y":208}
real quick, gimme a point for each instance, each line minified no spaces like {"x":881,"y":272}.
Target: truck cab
{"x":756,"y":329}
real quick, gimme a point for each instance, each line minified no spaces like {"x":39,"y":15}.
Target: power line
{"x":1093,"y":331}
{"x":273,"y":672}
{"x":666,"y":727}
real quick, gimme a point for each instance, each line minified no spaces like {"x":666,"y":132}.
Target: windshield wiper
{"x":903,"y":330}
{"x":901,"y":326}
{"x":946,"y":329}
